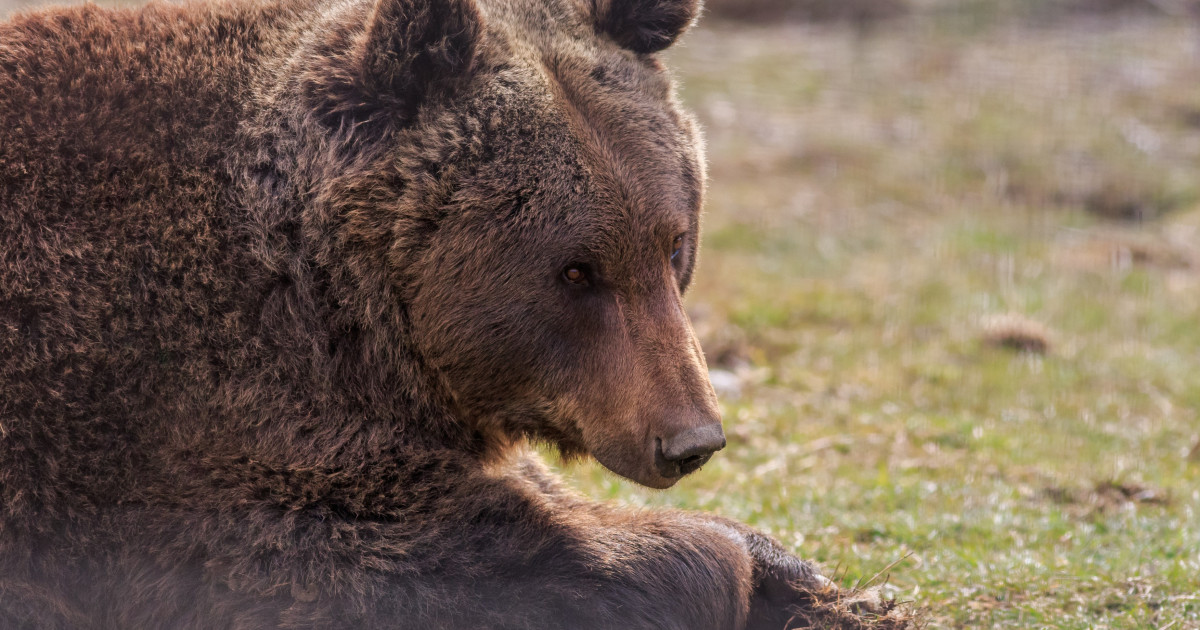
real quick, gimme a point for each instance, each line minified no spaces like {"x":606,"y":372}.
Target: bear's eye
{"x":676,"y":246}
{"x":578,"y":274}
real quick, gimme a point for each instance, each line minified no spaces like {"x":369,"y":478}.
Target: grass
{"x":878,"y":202}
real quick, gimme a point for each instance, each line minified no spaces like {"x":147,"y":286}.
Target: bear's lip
{"x":652,"y":478}
{"x":647,"y":474}
{"x":652,"y":468}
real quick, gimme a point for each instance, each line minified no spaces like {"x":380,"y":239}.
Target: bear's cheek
{"x":499,"y":348}
{"x":489,"y":369}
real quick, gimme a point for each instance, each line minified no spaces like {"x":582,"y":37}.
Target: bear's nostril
{"x":689,"y":465}
{"x":688,"y":450}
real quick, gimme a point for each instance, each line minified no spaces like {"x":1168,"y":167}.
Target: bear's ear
{"x":411,"y":43}
{"x":645,"y":26}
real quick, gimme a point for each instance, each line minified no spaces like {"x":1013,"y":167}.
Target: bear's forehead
{"x":537,"y":20}
{"x":628,"y":145}
{"x":587,"y":159}
{"x":591,"y":130}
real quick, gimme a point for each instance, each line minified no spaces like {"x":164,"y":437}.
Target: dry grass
{"x":853,"y":609}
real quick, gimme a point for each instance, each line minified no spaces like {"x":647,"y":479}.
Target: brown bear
{"x":286,"y":286}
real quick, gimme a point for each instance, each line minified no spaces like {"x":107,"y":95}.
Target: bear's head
{"x":537,"y":195}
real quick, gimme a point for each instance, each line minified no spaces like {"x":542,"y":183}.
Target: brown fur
{"x":281,"y":297}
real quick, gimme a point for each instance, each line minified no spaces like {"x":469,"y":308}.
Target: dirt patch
{"x":1123,"y":250}
{"x":1189,"y":115}
{"x":1016,"y":332}
{"x":1105,"y":497}
{"x":1127,"y":201}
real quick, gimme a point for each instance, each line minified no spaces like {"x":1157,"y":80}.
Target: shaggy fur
{"x":282,"y":296}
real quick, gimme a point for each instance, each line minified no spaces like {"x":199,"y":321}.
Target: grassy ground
{"x":893,"y":213}
{"x":890,"y":215}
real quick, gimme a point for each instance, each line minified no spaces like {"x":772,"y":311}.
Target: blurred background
{"x":950,"y":297}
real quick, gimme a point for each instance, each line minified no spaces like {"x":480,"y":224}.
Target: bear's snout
{"x":688,"y":450}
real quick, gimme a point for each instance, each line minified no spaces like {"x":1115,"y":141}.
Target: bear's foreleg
{"x":780,"y":583}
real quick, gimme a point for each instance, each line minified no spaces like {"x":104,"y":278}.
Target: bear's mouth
{"x":674,"y":469}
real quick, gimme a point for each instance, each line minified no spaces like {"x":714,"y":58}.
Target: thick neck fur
{"x":333,"y":221}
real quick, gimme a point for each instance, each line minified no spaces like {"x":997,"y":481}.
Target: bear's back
{"x":117,"y":249}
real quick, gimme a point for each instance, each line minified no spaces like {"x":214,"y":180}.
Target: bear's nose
{"x":688,"y":450}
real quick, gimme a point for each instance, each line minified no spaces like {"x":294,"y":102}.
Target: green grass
{"x":875,"y":199}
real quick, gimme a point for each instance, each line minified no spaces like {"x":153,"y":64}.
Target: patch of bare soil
{"x":1016,"y":332}
{"x":1105,"y":497}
